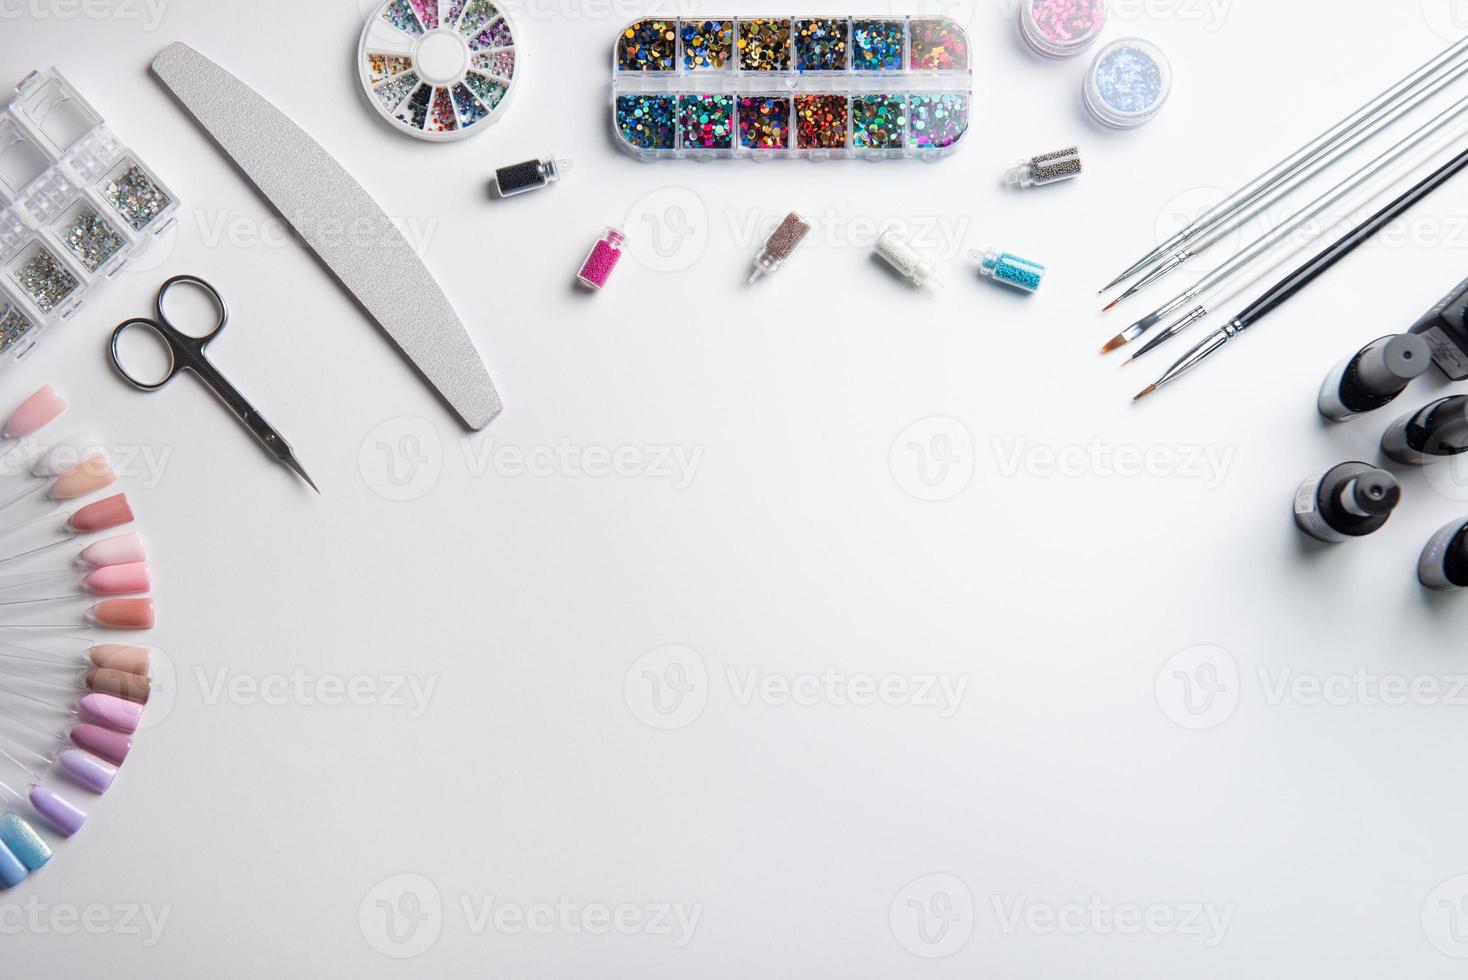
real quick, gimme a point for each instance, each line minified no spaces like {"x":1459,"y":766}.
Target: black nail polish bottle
{"x":1348,"y":501}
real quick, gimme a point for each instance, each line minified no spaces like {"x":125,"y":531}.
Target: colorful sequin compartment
{"x":764,"y":123}
{"x":764,"y":45}
{"x":878,"y":121}
{"x":828,"y":87}
{"x":938,"y":45}
{"x":821,"y":122}
{"x":439,"y":69}
{"x":706,"y":121}
{"x":877,"y":45}
{"x":937,"y":120}
{"x":646,"y":121}
{"x":820,"y":45}
{"x":708,"y":45}
{"x":647,"y":45}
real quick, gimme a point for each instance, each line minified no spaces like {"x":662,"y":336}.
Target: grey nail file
{"x":342,"y":224}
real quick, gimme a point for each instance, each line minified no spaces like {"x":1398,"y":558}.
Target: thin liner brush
{"x":1262,"y":246}
{"x":1287,"y":288}
{"x":1301,"y":157}
{"x":1223,"y":229}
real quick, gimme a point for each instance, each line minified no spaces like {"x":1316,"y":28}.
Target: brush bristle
{"x":1144,"y":393}
{"x":1111,"y":306}
{"x":1118,"y":341}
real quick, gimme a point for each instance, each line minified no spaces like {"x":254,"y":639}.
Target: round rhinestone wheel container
{"x":438,"y":70}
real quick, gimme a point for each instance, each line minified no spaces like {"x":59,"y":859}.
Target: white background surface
{"x":1329,"y":835}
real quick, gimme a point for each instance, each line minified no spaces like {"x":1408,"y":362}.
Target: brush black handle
{"x":1282,"y":292}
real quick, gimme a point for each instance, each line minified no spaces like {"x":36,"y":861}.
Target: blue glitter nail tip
{"x":647,"y":121}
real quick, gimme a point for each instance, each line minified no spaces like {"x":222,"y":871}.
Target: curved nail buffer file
{"x":320,"y":199}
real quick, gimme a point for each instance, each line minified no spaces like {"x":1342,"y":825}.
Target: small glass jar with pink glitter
{"x":1061,"y":28}
{"x":605,"y":255}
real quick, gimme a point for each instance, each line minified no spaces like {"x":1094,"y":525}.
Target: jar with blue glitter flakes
{"x":1009,"y":269}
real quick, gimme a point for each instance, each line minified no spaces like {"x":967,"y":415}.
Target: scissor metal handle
{"x":185,"y":351}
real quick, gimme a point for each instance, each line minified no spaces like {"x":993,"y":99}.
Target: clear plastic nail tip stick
{"x":906,"y":260}
{"x":1348,"y":501}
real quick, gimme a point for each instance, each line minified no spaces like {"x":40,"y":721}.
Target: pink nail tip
{"x":34,"y":413}
{"x":128,"y":579}
{"x":103,"y":743}
{"x":124,"y":614}
{"x":83,"y":479}
{"x":60,"y":813}
{"x":118,"y":550}
{"x":122,"y":657}
{"x":113,"y":712}
{"x":103,"y":515}
{"x":88,"y":770}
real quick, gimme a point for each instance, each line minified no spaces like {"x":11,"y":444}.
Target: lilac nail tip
{"x":88,"y":770}
{"x":61,"y":814}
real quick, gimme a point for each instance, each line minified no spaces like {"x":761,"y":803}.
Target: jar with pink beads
{"x":1061,"y":28}
{"x":605,"y":254}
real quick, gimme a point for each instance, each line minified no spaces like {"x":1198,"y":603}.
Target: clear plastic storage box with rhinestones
{"x":75,"y":206}
{"x":780,"y":87}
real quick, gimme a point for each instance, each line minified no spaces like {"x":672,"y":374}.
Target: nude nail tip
{"x":37,"y":410}
{"x":82,"y":480}
{"x":17,"y":834}
{"x":66,"y":817}
{"x":135,"y":688}
{"x":112,"y":711}
{"x":120,"y":549}
{"x":124,"y":614}
{"x":75,"y":449}
{"x":108,"y":745}
{"x":88,"y":770}
{"x":102,"y":515}
{"x":123,"y":657}
{"x":127,"y":579}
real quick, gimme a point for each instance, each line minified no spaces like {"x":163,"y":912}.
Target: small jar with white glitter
{"x":1128,"y":83}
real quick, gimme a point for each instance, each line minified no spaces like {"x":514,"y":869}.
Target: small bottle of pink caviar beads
{"x":597,"y":268}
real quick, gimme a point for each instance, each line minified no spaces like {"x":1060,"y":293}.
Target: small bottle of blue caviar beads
{"x":1009,"y":269}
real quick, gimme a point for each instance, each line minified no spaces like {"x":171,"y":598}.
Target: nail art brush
{"x":1299,"y":158}
{"x":100,"y":515}
{"x":1302,"y":277}
{"x":1325,"y":202}
{"x":1207,"y":239}
{"x":30,"y":417}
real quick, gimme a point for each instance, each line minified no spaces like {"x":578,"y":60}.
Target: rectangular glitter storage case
{"x":75,"y":206}
{"x":823,"y":88}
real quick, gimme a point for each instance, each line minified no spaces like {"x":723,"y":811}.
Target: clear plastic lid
{"x":1128,"y":83}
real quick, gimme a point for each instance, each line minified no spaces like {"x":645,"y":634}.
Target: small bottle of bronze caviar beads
{"x":1009,"y":269}
{"x":1045,"y":169}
